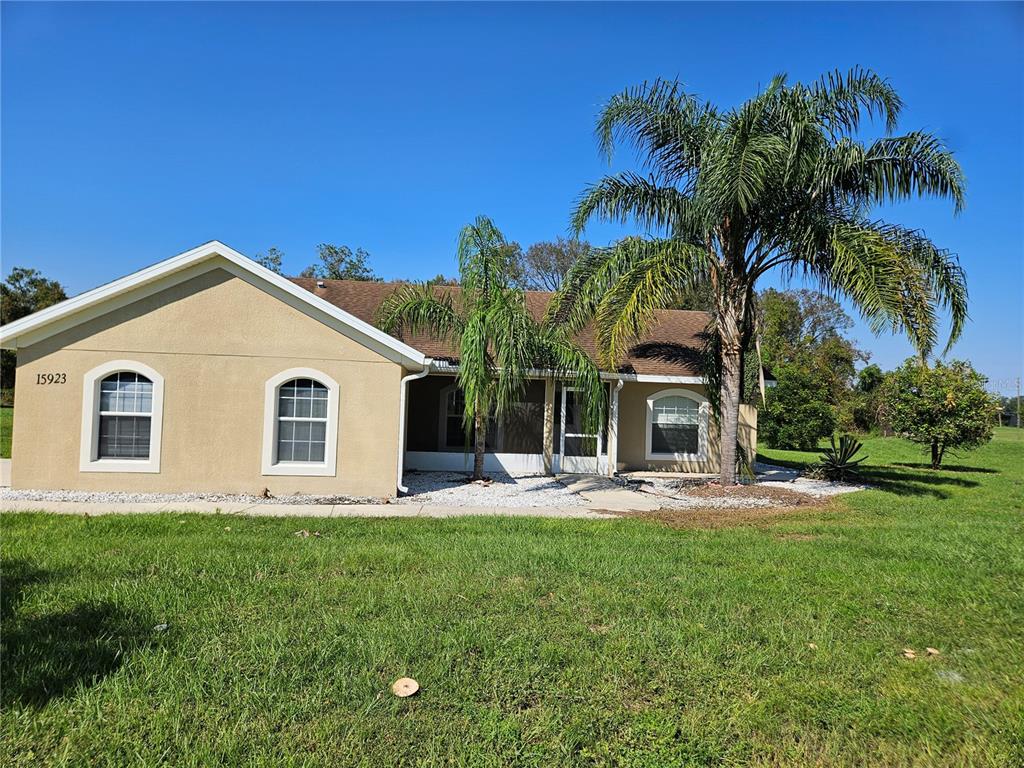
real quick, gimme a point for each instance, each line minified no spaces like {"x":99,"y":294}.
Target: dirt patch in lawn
{"x":719,"y":514}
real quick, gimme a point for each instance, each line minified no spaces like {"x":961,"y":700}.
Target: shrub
{"x":942,"y":407}
{"x":797,"y":413}
{"x":837,"y":462}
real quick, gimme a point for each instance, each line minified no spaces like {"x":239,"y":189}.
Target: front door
{"x":580,"y":451}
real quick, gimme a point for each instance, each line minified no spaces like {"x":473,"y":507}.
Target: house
{"x":209,"y":373}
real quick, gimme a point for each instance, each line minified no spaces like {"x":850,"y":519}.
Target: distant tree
{"x":797,"y":413}
{"x":23,"y":292}
{"x":942,"y":406}
{"x":546,"y":263}
{"x":440,"y":279}
{"x":870,"y":378}
{"x":271,"y":260}
{"x":338,"y":262}
{"x":807,"y":328}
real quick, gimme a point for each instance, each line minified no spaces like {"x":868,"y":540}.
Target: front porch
{"x":653,"y":424}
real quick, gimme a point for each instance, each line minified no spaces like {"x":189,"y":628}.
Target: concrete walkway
{"x":602,"y":493}
{"x":297,"y":510}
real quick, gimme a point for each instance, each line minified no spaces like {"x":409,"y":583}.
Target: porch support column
{"x":549,"y":425}
{"x":613,"y":429}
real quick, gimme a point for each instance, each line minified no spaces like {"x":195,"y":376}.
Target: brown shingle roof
{"x":672,"y":348}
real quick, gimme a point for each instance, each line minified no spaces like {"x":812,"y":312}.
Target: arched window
{"x":122,"y":411}
{"x":677,"y":425}
{"x":126,"y":416}
{"x":301,"y":421}
{"x":300,"y":430}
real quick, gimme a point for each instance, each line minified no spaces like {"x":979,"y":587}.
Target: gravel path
{"x":452,"y":489}
{"x":116,"y":497}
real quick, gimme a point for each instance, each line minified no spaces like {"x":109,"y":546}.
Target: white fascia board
{"x":44,"y":323}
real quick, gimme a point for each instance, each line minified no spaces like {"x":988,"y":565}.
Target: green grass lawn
{"x":536,"y":642}
{"x":6,"y":425}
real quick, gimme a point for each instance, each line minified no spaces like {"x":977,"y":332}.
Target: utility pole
{"x":1018,"y":402}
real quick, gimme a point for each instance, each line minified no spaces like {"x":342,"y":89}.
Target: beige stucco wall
{"x":216,"y":340}
{"x":633,"y":431}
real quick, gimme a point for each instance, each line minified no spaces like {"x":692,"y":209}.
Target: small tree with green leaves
{"x":943,"y":406}
{"x":797,"y":413}
{"x":23,"y":292}
{"x":499,"y":342}
{"x":271,"y":259}
{"x":339,"y":262}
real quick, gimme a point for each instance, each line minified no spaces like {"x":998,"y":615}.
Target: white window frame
{"x":702,"y":426}
{"x":89,"y":460}
{"x":271,"y":466}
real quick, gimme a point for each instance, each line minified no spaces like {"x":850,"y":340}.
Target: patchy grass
{"x":6,"y":425}
{"x":536,"y":642}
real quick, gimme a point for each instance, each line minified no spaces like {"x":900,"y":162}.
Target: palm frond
{"x":420,"y":307}
{"x":840,"y":100}
{"x":627,"y":196}
{"x":666,"y":125}
{"x":660,"y":271}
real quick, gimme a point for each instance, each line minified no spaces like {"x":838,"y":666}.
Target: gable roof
{"x":211,"y":255}
{"x":671,"y":348}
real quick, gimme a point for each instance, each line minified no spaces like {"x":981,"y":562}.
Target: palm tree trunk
{"x":729,"y":393}
{"x":479,"y":446}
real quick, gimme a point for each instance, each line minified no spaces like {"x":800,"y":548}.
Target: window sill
{"x":121,"y":465}
{"x":299,"y":469}
{"x":677,"y":457}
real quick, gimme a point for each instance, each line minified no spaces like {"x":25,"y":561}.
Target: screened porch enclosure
{"x":436,"y":438}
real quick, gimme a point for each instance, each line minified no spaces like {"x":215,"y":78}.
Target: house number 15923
{"x":51,"y":378}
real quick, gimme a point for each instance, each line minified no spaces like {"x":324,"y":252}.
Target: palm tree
{"x":499,"y":342}
{"x":780,"y":182}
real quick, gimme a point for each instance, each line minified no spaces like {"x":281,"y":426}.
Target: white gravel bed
{"x":453,"y":489}
{"x":117,"y":497}
{"x":791,"y":480}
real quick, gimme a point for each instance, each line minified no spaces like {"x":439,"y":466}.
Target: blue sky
{"x":131,"y":132}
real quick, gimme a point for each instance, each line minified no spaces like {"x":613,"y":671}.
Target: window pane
{"x":673,"y":438}
{"x":301,"y":437}
{"x":126,"y":392}
{"x":124,"y":437}
{"x":284,"y":450}
{"x":676,"y":410}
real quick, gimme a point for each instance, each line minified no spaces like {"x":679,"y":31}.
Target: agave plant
{"x":837,"y":462}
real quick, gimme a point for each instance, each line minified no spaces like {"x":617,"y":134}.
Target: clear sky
{"x":132,"y":132}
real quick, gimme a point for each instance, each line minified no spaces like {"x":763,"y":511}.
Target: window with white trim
{"x":122,"y":415}
{"x":126,"y":416}
{"x":300,"y":424}
{"x":302,"y":421}
{"x":677,"y":425}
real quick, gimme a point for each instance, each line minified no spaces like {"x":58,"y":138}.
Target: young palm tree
{"x":778,"y":182}
{"x":499,"y":342}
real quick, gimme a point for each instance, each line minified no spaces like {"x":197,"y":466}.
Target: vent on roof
{"x":319,"y":283}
